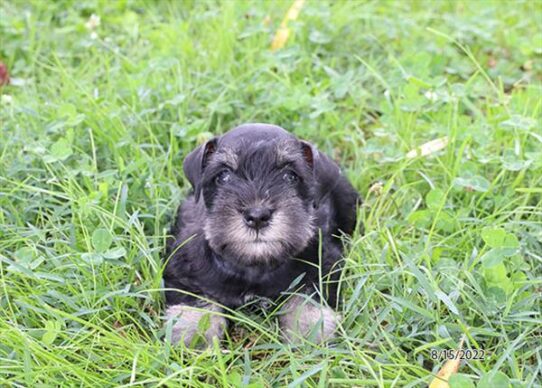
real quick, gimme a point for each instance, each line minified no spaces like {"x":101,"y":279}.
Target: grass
{"x":97,"y":121}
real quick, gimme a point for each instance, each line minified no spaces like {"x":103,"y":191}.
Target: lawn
{"x":432,"y":108}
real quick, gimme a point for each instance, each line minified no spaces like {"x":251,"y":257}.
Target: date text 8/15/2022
{"x":452,"y":354}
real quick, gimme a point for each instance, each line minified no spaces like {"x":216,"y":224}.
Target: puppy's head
{"x":259,"y":188}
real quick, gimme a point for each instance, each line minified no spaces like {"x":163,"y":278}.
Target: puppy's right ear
{"x":195,"y":163}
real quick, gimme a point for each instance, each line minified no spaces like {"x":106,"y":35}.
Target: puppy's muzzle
{"x":257,"y":217}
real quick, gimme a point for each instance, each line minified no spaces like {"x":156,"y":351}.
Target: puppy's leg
{"x":302,"y":316}
{"x":186,"y":323}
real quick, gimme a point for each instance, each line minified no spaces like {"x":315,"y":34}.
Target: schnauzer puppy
{"x":267,"y":210}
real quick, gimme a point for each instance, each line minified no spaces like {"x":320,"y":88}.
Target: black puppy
{"x":262,"y":199}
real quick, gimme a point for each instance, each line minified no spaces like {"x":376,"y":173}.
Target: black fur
{"x":217,"y":268}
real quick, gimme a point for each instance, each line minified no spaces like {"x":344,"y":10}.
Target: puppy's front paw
{"x":302,"y":317}
{"x":188,"y":322}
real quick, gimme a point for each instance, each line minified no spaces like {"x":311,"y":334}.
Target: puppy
{"x":266,"y":209}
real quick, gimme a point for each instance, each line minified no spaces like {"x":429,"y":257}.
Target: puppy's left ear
{"x":195,"y":163}
{"x":326,"y":172}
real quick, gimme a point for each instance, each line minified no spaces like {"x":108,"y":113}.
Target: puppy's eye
{"x":223,"y":177}
{"x":290,"y":177}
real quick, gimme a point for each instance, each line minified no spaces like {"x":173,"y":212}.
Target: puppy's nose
{"x":257,"y":217}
